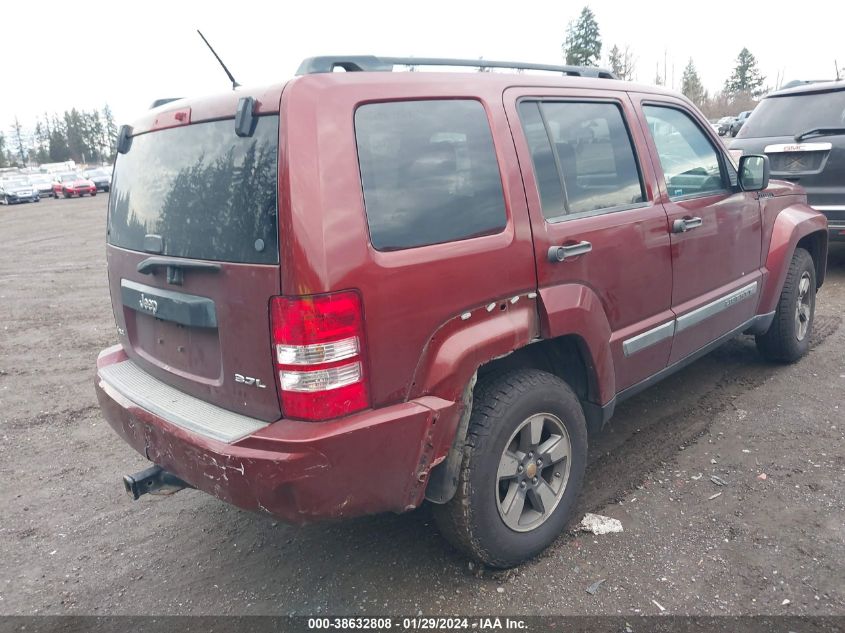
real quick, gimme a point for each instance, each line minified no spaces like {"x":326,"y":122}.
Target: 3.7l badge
{"x":250,"y":381}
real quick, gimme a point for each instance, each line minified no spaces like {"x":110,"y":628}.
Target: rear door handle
{"x":683,"y":225}
{"x":562,"y":253}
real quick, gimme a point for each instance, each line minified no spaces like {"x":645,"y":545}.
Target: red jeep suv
{"x":352,"y":292}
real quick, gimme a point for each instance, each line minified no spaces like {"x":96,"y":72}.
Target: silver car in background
{"x":14,"y":190}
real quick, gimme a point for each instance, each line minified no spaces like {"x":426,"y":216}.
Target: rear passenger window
{"x":583,"y":157}
{"x":429,"y":172}
{"x":690,"y":163}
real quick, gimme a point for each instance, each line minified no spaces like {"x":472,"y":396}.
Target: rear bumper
{"x":374,"y":461}
{"x":835,"y":215}
{"x":836,"y":230}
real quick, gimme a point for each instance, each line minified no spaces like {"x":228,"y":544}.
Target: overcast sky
{"x":127,"y":53}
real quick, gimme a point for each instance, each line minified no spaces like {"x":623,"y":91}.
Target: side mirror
{"x":124,"y":139}
{"x":753,"y":172}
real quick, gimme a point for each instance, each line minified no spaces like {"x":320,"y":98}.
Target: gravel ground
{"x":72,"y":543}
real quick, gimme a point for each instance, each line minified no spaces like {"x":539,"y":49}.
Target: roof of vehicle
{"x":267,"y":98}
{"x":807,"y":88}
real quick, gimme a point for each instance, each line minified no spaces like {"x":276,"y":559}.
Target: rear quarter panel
{"x":408,"y":295}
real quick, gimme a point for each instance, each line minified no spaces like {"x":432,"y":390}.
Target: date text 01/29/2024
{"x":420,"y":623}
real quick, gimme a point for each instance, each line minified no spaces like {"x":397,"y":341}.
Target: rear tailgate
{"x":193,"y":260}
{"x":817,"y":162}
{"x":818,"y":165}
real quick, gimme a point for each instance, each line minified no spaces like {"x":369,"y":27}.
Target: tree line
{"x":745,"y":84}
{"x":89,"y":136}
{"x":85,"y":136}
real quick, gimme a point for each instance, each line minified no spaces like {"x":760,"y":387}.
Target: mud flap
{"x":443,"y":480}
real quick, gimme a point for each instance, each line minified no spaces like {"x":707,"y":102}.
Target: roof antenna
{"x":235,"y":84}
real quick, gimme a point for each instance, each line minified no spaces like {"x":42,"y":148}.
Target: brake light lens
{"x":318,"y":349}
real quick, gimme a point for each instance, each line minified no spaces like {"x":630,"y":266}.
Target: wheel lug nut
{"x":519,"y":469}
{"x":539,"y":462}
{"x":522,"y":484}
{"x":534,"y":481}
{"x":530,"y":454}
{"x":557,"y":475}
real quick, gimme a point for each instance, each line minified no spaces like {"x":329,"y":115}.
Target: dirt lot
{"x":71,"y":542}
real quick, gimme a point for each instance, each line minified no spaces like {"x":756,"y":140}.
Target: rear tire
{"x":788,"y":337}
{"x":515,"y":495}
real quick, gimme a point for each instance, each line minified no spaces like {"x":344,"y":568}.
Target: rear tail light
{"x":318,"y":346}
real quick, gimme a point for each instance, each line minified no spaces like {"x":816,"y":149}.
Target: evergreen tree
{"x":583,"y":42}
{"x":4,"y":162}
{"x":614,"y":60}
{"x":109,"y":133}
{"x":19,"y":147}
{"x":58,"y":145}
{"x":621,"y":62}
{"x":746,"y":77}
{"x":38,"y":152}
{"x":691,"y":85}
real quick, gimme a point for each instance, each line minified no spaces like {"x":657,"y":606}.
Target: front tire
{"x":788,"y":337}
{"x":522,"y":470}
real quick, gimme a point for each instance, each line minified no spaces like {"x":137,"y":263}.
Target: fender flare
{"x":447,"y":369}
{"x":451,"y":360}
{"x":792,"y":224}
{"x":574,"y":309}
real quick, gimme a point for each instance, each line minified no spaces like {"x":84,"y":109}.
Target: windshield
{"x":788,"y":116}
{"x":208,"y":193}
{"x":97,"y":173}
{"x":69,"y":176}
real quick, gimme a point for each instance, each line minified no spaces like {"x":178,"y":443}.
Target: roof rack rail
{"x":161,"y":102}
{"x":370,"y":63}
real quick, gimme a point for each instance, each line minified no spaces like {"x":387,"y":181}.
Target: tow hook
{"x":154,"y":480}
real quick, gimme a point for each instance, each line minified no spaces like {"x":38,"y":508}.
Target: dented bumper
{"x":374,"y":461}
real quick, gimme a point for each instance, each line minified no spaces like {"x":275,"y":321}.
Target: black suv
{"x":802,"y":130}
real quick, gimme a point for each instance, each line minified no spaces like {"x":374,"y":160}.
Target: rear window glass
{"x":583,"y":158}
{"x":429,"y":172}
{"x":208,"y":193}
{"x":788,"y":116}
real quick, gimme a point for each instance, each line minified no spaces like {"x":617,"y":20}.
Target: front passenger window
{"x":690,"y":163}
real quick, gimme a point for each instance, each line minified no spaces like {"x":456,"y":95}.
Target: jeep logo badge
{"x":150,"y":305}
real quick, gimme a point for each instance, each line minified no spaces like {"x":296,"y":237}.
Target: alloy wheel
{"x":533,"y":472}
{"x":802,"y":307}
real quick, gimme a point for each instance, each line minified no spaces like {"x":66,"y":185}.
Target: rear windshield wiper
{"x":175,"y":267}
{"x":820,"y":131}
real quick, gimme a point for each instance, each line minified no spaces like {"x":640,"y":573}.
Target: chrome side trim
{"x":829,"y":207}
{"x":176,"y":407}
{"x":698,"y":315}
{"x":671,"y":369}
{"x":648,"y":338}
